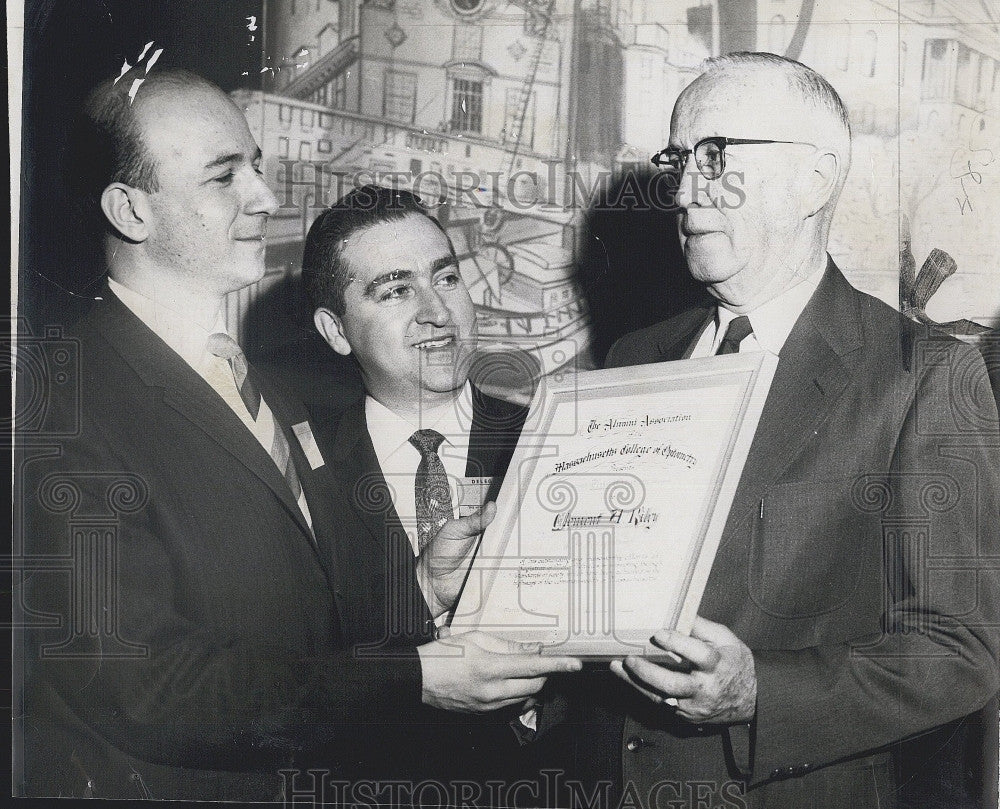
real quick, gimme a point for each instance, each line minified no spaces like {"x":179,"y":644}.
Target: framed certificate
{"x":608,"y":533}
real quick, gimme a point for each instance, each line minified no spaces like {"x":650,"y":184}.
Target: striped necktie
{"x":222,"y":345}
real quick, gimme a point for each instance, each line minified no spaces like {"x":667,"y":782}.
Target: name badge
{"x":308,"y":442}
{"x":471,"y":494}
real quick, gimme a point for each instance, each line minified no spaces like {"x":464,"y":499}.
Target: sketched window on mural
{"x":934,"y":76}
{"x":963,"y":75}
{"x":329,"y":35}
{"x":871,"y":54}
{"x":519,"y":118}
{"x":338,"y":92}
{"x":986,"y":67}
{"x":468,"y":43}
{"x":399,"y":101}
{"x":467,"y":105}
{"x":842,"y":36}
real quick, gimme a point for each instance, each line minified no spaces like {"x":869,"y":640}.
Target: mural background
{"x":529,"y":124}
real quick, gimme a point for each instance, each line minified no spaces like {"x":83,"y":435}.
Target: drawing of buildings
{"x":511,"y":112}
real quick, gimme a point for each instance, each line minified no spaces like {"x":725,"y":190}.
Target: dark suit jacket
{"x":185,"y":641}
{"x":371,"y":569}
{"x":852,"y":564}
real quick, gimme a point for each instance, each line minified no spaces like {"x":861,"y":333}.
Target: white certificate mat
{"x":604,"y":536}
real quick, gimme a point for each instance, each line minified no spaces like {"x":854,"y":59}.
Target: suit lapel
{"x":355,"y":465}
{"x":814,"y":368}
{"x":679,"y":341}
{"x":191,"y":396}
{"x":363,"y":489}
{"x":496,"y":427}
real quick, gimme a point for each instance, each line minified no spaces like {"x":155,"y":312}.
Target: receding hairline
{"x":775,"y":74}
{"x":175,"y":88}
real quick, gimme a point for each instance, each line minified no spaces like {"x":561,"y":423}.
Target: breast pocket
{"x":809,"y":549}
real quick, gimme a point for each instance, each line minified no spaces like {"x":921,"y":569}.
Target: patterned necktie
{"x":738,"y":329}
{"x":432,"y":495}
{"x":222,"y":345}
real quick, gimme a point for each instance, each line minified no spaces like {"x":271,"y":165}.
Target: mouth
{"x":258,"y":235}
{"x":434,"y":343}
{"x":690,"y":230}
{"x":704,"y":223}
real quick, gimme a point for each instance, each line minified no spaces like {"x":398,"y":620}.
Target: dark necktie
{"x":738,"y":329}
{"x":222,"y":345}
{"x":430,"y":488}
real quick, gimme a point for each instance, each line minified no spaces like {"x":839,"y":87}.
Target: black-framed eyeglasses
{"x":709,"y":155}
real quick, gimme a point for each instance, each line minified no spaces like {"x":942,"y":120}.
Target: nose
{"x":432,"y":308}
{"x":260,"y":197}
{"x":692,"y":187}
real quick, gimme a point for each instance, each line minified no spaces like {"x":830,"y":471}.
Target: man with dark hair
{"x":853,"y":601}
{"x":187,"y":637}
{"x":385,"y":284}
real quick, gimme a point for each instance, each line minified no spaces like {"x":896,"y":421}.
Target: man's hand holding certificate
{"x":720,"y":685}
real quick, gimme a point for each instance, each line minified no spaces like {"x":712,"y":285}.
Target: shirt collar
{"x":389,"y":431}
{"x":184,"y":335}
{"x":773,"y":320}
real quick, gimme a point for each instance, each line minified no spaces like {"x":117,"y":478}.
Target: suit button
{"x":634,"y":743}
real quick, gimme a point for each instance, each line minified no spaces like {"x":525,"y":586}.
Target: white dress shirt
{"x":189,"y":340}
{"x":772,"y":321}
{"x":399,"y":459}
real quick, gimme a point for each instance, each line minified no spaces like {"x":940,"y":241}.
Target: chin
{"x":710,"y":267}
{"x":440,"y":387}
{"x":246,"y":276}
{"x":442,"y":382}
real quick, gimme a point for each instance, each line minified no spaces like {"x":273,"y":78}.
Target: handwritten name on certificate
{"x":614,"y":504}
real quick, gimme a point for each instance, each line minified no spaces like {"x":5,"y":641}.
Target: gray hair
{"x":803,"y":80}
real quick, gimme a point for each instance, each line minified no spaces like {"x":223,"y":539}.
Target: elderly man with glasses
{"x":853,"y":602}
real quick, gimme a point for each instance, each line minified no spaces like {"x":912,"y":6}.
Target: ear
{"x":331,"y":327}
{"x":127,"y":209}
{"x":820,"y":182}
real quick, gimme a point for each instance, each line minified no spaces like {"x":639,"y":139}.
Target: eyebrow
{"x":444,"y":261}
{"x":405,"y":275}
{"x":385,"y":278}
{"x":235,"y":157}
